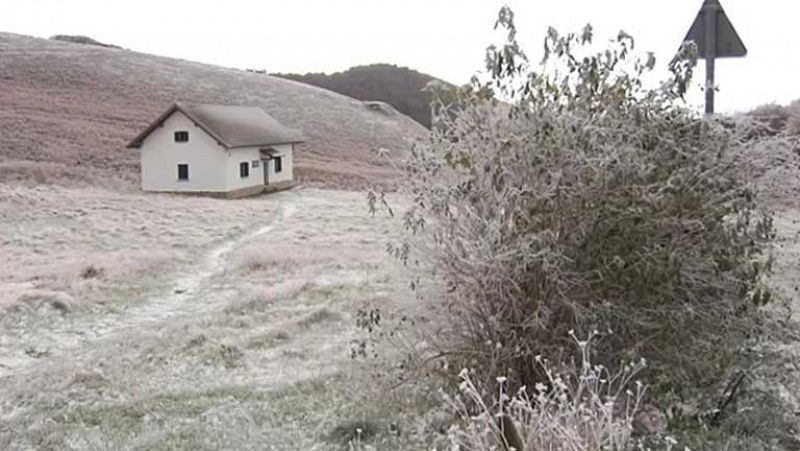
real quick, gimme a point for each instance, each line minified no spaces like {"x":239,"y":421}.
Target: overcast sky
{"x":445,"y":38}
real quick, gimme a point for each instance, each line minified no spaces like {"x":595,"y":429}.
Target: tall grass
{"x":590,"y":409}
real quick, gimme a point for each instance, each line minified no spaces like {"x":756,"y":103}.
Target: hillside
{"x":67,"y":111}
{"x":398,"y":86}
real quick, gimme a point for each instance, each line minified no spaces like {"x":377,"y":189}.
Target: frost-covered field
{"x":162,"y":322}
{"x":132,"y":321}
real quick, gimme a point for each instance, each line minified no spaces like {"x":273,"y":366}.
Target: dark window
{"x":244,"y":169}
{"x":278,"y":164}
{"x":183,"y":172}
{"x":181,"y":137}
{"x":254,"y":164}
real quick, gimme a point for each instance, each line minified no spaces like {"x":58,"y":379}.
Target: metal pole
{"x":710,"y":16}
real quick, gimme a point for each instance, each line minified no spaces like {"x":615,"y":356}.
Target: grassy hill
{"x":398,"y":86}
{"x":67,"y":111}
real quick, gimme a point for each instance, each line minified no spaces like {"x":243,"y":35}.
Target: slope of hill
{"x":67,"y":111}
{"x":398,"y":86}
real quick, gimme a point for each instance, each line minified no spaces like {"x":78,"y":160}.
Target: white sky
{"x":445,"y":38}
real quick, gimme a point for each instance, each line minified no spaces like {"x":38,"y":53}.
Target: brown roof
{"x":231,"y":126}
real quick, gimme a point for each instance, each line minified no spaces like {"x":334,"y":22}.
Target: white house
{"x":230,"y":151}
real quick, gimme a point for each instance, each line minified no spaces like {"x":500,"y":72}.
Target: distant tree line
{"x":400,"y":87}
{"x":77,"y":39}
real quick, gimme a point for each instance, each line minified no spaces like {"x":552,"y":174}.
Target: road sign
{"x":715,"y":37}
{"x":726,"y":41}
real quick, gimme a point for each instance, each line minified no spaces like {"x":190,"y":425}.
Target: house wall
{"x":212,"y":167}
{"x":160,"y":156}
{"x":240,"y":155}
{"x":287,"y":162}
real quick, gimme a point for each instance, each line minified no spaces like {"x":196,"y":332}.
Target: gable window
{"x":244,"y":169}
{"x":181,"y":137}
{"x":183,"y":172}
{"x":278,"y":164}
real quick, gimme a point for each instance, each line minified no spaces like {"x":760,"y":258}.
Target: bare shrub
{"x":197,"y":341}
{"x":92,"y":272}
{"x":229,"y":356}
{"x":589,"y":409}
{"x":587,"y":201}
{"x":352,"y":434}
{"x":778,"y":118}
{"x":793,"y":118}
{"x":39,"y":300}
{"x":772,"y":115}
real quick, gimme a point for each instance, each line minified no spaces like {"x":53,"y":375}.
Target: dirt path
{"x":189,"y":293}
{"x":190,"y":286}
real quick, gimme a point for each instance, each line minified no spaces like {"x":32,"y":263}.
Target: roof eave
{"x":240,"y":146}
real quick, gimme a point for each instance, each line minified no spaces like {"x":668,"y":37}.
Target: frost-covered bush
{"x":779,"y":118}
{"x":591,"y":409}
{"x":585,"y":200}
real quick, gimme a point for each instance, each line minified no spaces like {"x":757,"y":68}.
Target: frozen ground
{"x":132,"y":321}
{"x":160,"y":322}
{"x":782,"y":370}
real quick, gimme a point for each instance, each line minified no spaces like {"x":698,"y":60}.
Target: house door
{"x":265,"y":166}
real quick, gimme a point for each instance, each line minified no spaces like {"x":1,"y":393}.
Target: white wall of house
{"x":233,"y":173}
{"x":285,"y":151}
{"x":212,"y":167}
{"x":160,"y":156}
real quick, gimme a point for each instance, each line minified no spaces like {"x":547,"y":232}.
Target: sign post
{"x":715,"y":37}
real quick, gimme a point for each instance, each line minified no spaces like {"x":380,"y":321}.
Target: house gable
{"x":161,"y":154}
{"x":159,"y":122}
{"x":230,"y":126}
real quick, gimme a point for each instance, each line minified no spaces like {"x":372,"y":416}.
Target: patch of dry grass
{"x":268,"y":340}
{"x":318,"y":317}
{"x":83,"y":243}
{"x":242,"y":359}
